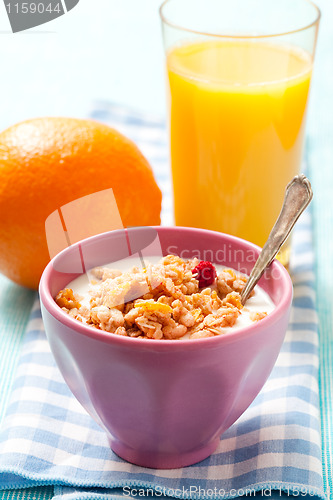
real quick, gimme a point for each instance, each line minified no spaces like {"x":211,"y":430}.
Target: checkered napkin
{"x":274,"y":447}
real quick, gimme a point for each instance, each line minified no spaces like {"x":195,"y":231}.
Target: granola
{"x":161,"y":301}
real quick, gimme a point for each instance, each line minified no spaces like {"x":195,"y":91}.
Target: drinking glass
{"x":239,"y":76}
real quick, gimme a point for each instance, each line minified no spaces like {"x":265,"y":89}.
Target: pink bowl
{"x":164,"y":403}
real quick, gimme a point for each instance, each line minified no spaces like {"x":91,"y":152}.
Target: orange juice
{"x":237,"y":129}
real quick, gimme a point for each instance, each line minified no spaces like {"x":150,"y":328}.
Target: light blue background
{"x":108,"y":49}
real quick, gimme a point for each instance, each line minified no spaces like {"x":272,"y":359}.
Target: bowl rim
{"x":48,"y":302}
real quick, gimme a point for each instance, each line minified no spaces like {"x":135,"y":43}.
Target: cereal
{"x":66,"y":300}
{"x":257,"y":316}
{"x":163,"y":301}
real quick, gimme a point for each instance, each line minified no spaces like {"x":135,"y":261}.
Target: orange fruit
{"x":46,"y":163}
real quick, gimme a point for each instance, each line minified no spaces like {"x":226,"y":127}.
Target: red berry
{"x":205,"y":273}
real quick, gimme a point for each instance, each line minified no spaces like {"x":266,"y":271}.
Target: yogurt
{"x":161,"y":300}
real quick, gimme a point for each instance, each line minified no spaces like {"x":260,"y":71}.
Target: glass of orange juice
{"x":239,"y":76}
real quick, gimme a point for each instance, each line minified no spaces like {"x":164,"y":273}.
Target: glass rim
{"x":219,"y":35}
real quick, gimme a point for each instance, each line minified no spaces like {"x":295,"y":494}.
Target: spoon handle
{"x":297,"y":197}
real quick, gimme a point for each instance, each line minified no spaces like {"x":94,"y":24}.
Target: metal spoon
{"x":297,"y":197}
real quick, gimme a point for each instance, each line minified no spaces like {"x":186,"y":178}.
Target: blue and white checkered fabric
{"x":274,"y":448}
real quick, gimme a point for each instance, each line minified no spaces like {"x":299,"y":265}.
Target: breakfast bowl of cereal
{"x":150,"y":334}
